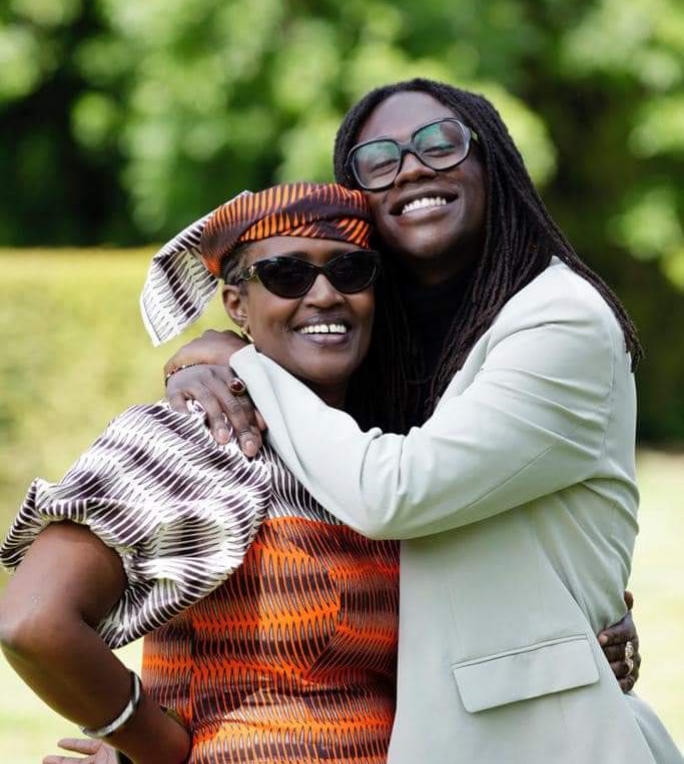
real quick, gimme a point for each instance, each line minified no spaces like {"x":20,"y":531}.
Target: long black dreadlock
{"x":521,"y":238}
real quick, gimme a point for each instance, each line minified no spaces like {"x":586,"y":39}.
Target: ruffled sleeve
{"x":180,"y":510}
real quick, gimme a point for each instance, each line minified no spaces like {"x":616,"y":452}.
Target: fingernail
{"x":249,"y":447}
{"x":222,"y":435}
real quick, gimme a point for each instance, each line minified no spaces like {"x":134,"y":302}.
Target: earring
{"x":244,"y":328}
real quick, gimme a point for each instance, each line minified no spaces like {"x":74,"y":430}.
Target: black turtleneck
{"x":430,"y":311}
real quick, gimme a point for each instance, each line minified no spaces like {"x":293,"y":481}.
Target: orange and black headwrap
{"x":183,"y":275}
{"x":309,"y":210}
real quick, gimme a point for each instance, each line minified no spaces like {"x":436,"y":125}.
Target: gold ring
{"x":629,"y":650}
{"x":630,"y":665}
{"x":237,"y":387}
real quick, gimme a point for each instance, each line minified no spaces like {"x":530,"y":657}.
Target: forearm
{"x":49,"y":612}
{"x":440,"y":476}
{"x":77,"y":675}
{"x":70,"y":668}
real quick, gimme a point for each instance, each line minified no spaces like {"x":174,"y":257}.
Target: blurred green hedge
{"x":74,"y":354}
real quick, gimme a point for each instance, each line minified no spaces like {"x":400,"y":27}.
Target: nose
{"x":322,"y":293}
{"x":412,"y":169}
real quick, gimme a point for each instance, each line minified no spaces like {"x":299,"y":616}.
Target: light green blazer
{"x":516,"y":505}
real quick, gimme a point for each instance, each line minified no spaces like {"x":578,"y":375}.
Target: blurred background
{"x":122,"y":121}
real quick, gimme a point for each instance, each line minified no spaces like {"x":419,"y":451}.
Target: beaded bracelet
{"x":176,"y":369}
{"x":124,"y":717}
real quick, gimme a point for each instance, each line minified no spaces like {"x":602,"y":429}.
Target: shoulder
{"x":154,"y":432}
{"x":561,"y":297}
{"x":559,"y":327}
{"x":159,"y":415}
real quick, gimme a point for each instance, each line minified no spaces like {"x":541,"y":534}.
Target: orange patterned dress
{"x":269,"y":627}
{"x":293,"y":658}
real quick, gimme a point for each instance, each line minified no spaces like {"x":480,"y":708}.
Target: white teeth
{"x":323,"y":329}
{"x":424,"y":203}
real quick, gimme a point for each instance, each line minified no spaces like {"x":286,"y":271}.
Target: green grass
{"x":74,"y":353}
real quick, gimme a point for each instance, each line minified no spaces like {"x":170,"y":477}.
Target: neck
{"x":332,"y":395}
{"x":434,"y":270}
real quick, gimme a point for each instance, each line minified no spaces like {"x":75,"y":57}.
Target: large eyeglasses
{"x":440,"y":145}
{"x":291,"y":277}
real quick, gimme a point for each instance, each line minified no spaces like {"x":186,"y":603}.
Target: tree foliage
{"x":121,"y":120}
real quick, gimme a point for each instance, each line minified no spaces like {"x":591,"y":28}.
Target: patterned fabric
{"x":178,"y":287}
{"x":182,"y":279}
{"x":289,"y":659}
{"x":314,"y":211}
{"x":179,"y":510}
{"x":293,"y":658}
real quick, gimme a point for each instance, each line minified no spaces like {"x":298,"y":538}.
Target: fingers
{"x":209,"y":386}
{"x":261,"y":424}
{"x":615,"y":653}
{"x":624,"y":663}
{"x":96,"y":752}
{"x":627,"y":683}
{"x":629,"y":599}
{"x":239,"y":411}
{"x":620,"y":669}
{"x":85,"y":746}
{"x":620,"y":645}
{"x":636,"y":657}
{"x":619,"y":633}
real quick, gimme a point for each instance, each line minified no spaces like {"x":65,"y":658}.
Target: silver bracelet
{"x":124,"y":716}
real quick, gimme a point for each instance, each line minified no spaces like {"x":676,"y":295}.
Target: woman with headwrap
{"x":270,"y":628}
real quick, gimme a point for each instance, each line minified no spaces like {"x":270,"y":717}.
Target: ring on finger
{"x":630,"y":665}
{"x":237,"y":387}
{"x":629,"y":650}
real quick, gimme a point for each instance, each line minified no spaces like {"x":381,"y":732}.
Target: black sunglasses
{"x":440,"y":145}
{"x":290,"y":277}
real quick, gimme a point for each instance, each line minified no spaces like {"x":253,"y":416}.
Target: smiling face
{"x":321,"y":337}
{"x":434,"y":221}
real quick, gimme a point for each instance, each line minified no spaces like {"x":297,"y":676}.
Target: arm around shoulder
{"x":529,"y":420}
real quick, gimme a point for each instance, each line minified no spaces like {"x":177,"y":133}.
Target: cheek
{"x":376,"y":207}
{"x":268,"y":318}
{"x":365,"y":310}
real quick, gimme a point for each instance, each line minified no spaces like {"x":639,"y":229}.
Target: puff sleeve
{"x":180,"y":510}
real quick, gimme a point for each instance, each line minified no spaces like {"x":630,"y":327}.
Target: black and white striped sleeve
{"x":180,"y":510}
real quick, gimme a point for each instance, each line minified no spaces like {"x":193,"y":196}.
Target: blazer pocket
{"x":530,"y":672}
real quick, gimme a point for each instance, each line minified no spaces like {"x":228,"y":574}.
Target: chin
{"x":331,"y":377}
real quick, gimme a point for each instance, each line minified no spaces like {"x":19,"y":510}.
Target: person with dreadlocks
{"x":270,"y":628}
{"x":515,"y":500}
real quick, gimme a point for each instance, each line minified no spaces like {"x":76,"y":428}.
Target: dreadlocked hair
{"x":379,"y":394}
{"x":520,"y":238}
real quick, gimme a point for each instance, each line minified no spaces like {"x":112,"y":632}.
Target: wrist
{"x":122,"y":719}
{"x":175,"y":369}
{"x":153,"y":737}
